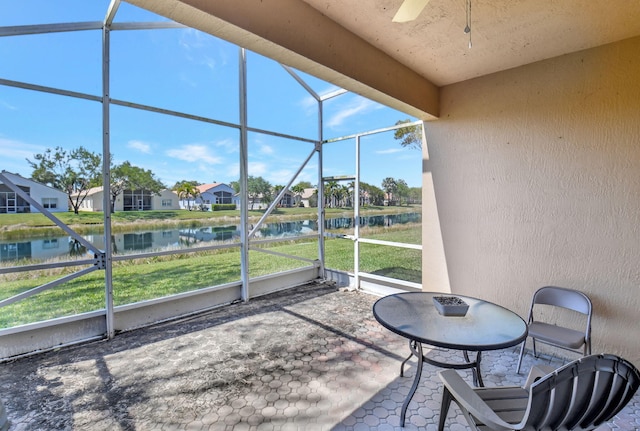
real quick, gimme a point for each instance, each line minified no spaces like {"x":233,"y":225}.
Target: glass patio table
{"x":413,"y":315}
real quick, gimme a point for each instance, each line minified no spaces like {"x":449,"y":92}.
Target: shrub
{"x":223,"y":207}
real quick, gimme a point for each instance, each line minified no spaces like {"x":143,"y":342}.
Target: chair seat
{"x":509,"y":403}
{"x":569,"y":338}
{"x":579,"y":396}
{"x":556,"y":335}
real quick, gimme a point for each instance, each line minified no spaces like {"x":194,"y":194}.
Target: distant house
{"x":209,"y":194}
{"x":365,"y":198}
{"x":51,"y":199}
{"x":309,"y":197}
{"x":131,"y":200}
{"x":236,"y":200}
{"x":390,"y":199}
{"x":254,"y":203}
{"x":288,"y":200}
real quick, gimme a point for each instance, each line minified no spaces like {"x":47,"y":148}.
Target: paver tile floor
{"x":307,"y":358}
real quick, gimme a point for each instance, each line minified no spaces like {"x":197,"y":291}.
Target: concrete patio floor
{"x":308,"y":358}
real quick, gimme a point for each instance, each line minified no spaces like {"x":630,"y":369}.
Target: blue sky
{"x":181,"y":70}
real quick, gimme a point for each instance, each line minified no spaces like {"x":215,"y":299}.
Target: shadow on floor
{"x":311,"y":358}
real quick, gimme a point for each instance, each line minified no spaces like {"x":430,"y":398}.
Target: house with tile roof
{"x":208,"y":195}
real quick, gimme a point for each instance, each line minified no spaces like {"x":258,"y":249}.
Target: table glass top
{"x":486,"y":326}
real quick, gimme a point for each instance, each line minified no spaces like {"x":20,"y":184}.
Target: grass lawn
{"x":142,"y":279}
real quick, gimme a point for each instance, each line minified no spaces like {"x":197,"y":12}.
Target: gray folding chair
{"x":581,"y":395}
{"x":559,"y":336}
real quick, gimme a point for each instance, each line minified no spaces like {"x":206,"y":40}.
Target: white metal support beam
{"x":106,"y":166}
{"x":356,"y":217}
{"x":274,"y":204}
{"x":321,"y":214}
{"x":20,"y":30}
{"x":244,"y":167}
{"x":301,"y":82}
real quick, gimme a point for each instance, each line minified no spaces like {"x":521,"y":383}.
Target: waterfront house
{"x":131,"y":200}
{"x":11,"y":202}
{"x":308,"y":198}
{"x":208,"y":195}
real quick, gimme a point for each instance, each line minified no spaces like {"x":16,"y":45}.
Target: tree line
{"x":392,"y":192}
{"x":77,"y":171}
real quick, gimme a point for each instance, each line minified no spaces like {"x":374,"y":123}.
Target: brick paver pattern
{"x":307,"y":358}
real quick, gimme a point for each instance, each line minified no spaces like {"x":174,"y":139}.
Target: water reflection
{"x":163,"y":239}
{"x":373,"y":221}
{"x":76,"y":249}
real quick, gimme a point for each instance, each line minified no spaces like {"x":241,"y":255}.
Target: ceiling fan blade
{"x":409,"y":10}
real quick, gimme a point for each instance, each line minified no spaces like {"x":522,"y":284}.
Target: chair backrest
{"x":582,"y":394}
{"x":562,"y":297}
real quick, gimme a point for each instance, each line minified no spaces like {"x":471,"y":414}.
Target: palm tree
{"x":330,"y":193}
{"x":297,"y":191}
{"x":186,"y":191}
{"x":349,"y":191}
{"x":390,"y":186}
{"x":276,"y":190}
{"x":402,"y":190}
{"x":338,"y":193}
{"x":313,"y":200}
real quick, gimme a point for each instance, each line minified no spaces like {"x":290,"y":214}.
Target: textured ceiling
{"x":505,"y":33}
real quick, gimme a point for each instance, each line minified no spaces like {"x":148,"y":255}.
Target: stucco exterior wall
{"x":40,"y":192}
{"x":169,"y":198}
{"x":94,"y":202}
{"x":536,"y":177}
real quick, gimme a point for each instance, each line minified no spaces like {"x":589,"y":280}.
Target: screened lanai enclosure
{"x":133,"y":87}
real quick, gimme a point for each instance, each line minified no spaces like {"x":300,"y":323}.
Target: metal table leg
{"x":411,"y":350}
{"x":475,"y":368}
{"x":417,"y":350}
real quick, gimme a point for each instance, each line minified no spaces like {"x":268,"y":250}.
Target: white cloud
{"x":389,"y":151}
{"x":15,"y":154}
{"x":8,"y":106}
{"x":275,"y":177}
{"x":209,"y":62}
{"x":13,"y":149}
{"x":195,"y":153}
{"x":228,"y":145}
{"x":330,"y":89}
{"x":197,"y":47}
{"x":140,"y":146}
{"x":266,"y":149}
{"x":309,"y":105}
{"x":191,"y":39}
{"x":233,"y":171}
{"x":308,"y":173}
{"x":280,"y":177}
{"x":357,"y":106}
{"x":257,"y":169}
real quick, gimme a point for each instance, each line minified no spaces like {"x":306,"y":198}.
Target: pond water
{"x":166,"y":239}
